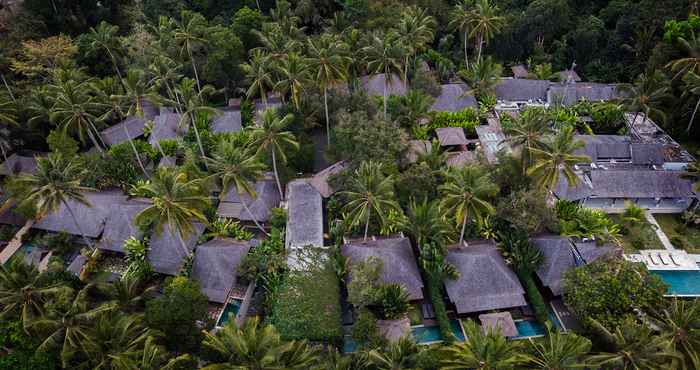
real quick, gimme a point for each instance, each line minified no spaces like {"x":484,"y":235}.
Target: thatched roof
{"x":417,"y":148}
{"x":394,"y":330}
{"x":572,"y":93}
{"x":128,"y":129}
{"x":627,"y":184}
{"x":119,"y":225}
{"x":166,"y":254}
{"x":304,"y":215}
{"x":267,"y":198}
{"x":229,"y":121}
{"x":76,"y":266}
{"x":320,"y":180}
{"x":460,"y":159}
{"x":91,"y":218}
{"x":400,"y":265}
{"x":519,"y":71}
{"x":511,"y":89}
{"x":374,"y":85}
{"x":453,"y":97}
{"x":216,"y":265}
{"x":569,"y":75}
{"x":499,"y":322}
{"x":450,"y":136}
{"x":165,"y":126}
{"x":17,"y":164}
{"x":485,"y":281}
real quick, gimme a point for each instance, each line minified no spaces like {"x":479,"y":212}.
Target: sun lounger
{"x":651,"y":259}
{"x":661,"y":257}
{"x":674,"y":261}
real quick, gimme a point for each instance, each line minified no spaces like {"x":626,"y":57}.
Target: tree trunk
{"x":386,"y":76}
{"x":199,"y":141}
{"x":116,"y":67}
{"x":277,"y":177}
{"x":7,"y":164}
{"x":328,"y":124}
{"x":77,"y":224}
{"x":9,"y":202}
{"x":94,"y":142}
{"x":12,"y":96}
{"x":196,"y":75}
{"x":466,"y":57}
{"x":367,"y":223}
{"x":257,"y":2}
{"x":692,"y":118}
{"x":255,"y":220}
{"x":481,"y":43}
{"x":136,"y":152}
{"x":181,"y":239}
{"x":464,"y":225}
{"x":405,"y":72}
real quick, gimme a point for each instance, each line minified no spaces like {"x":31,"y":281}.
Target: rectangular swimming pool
{"x":230,"y":312}
{"x":681,"y":283}
{"x":431,"y":334}
{"x":529,"y":328}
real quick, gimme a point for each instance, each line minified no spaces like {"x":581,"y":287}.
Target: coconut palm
{"x":482,"y":76}
{"x":259,"y":72}
{"x":634,"y":346}
{"x":416,"y":30}
{"x":383,"y":54}
{"x":425,"y":222}
{"x":413,"y":107}
{"x":519,"y":252}
{"x":691,"y":61}
{"x":633,"y":214}
{"x":646,"y":95}
{"x":39,"y":105}
{"x":194,"y":103}
{"x":176,"y":202}
{"x":681,"y":319}
{"x":466,"y":195}
{"x":544,"y":72}
{"x":113,"y":339}
{"x":56,"y":183}
{"x":558,"y":350}
{"x":460,"y":19}
{"x":8,"y":110}
{"x":556,"y":157}
{"x":128,"y":293}
{"x":189,"y":35}
{"x":396,"y":356}
{"x":294,"y":76}
{"x":152,"y":356}
{"x":328,"y":66}
{"x":481,"y":351}
{"x":527,"y":133}
{"x":75,"y":110}
{"x":485,"y":23}
{"x":105,"y":37}
{"x":692,"y":172}
{"x":165,"y":72}
{"x":23,"y":292}
{"x":370,"y":192}
{"x":254,"y":346}
{"x":269,"y":135}
{"x":238,"y":170}
{"x":691,"y":83}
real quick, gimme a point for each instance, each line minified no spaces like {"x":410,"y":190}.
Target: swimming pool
{"x":681,"y":283}
{"x":230,"y":311}
{"x":529,"y":328}
{"x":431,"y":334}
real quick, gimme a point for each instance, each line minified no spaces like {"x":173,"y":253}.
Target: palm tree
{"x":176,"y":201}
{"x":691,"y":82}
{"x":527,"y":133}
{"x":395,"y":356}
{"x":544,"y":72}
{"x":270,"y":135}
{"x":105,"y":37}
{"x":383,"y":54}
{"x":558,"y":350}
{"x":681,"y":319}
{"x":466,"y":194}
{"x":189,"y":34}
{"x":460,"y":19}
{"x":113,"y":339}
{"x":24,"y":292}
{"x":425,"y":222}
{"x":690,"y":62}
{"x":485,"y":23}
{"x":634,"y":346}
{"x":692,"y":172}
{"x":294,"y":76}
{"x":482,"y":76}
{"x":490,"y":351}
{"x":371,"y":192}
{"x":164,"y":71}
{"x":633,"y":214}
{"x":75,"y":110}
{"x":556,"y":157}
{"x":237,"y":169}
{"x":55,"y":183}
{"x":194,"y":103}
{"x":646,"y":95}
{"x":8,"y":110}
{"x":254,"y":346}
{"x":152,"y":356}
{"x":328,"y":66}
{"x":127,"y":293}
{"x":414,"y":106}
{"x":259,"y":72}
{"x":416,"y":29}
{"x":519,"y":252}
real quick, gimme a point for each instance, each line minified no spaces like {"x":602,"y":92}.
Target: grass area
{"x":681,"y":236}
{"x":640,"y":236}
{"x":415,"y":315}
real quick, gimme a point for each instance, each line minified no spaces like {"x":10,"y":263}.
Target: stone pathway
{"x":660,"y":233}
{"x":15,"y":243}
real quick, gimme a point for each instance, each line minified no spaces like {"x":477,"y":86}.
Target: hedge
{"x":467,"y":119}
{"x":534,"y":296}
{"x":435,"y":290}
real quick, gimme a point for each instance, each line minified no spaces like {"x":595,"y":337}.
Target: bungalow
{"x":461,"y":159}
{"x":166,"y":254}
{"x":452,"y":137}
{"x":491,"y":139}
{"x":619,"y":151}
{"x":128,"y":129}
{"x":320,"y":180}
{"x":519,"y":71}
{"x":216,"y":264}
{"x":572,"y":93}
{"x":267,"y":198}
{"x":485,"y":282}
{"x":374,"y":85}
{"x":16,"y":164}
{"x":228,"y":122}
{"x":399,"y":262}
{"x":165,"y":126}
{"x":304,"y":216}
{"x":643,"y":130}
{"x":561,"y":255}
{"x":416,"y":149}
{"x":119,"y":225}
{"x":522,"y":91}
{"x":454,"y":97}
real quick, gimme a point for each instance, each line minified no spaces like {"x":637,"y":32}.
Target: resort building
{"x":17,"y":163}
{"x":260,"y":208}
{"x":570,"y":93}
{"x":374,"y":85}
{"x":454,"y":97}
{"x":522,"y":92}
{"x":320,"y":181}
{"x":167,"y":254}
{"x":304,"y":219}
{"x":165,"y":126}
{"x":216,"y":264}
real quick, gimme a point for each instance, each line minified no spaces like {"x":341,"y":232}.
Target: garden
{"x":682,"y":231}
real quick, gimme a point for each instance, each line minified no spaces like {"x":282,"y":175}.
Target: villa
{"x":229,"y":121}
{"x":266,"y":198}
{"x":374,"y":85}
{"x":216,"y":265}
{"x":17,"y":164}
{"x":165,"y":126}
{"x":454,"y":97}
{"x":166,"y":253}
{"x":304,"y":219}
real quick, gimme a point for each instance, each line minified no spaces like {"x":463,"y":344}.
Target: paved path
{"x":660,"y":233}
{"x":15,"y":243}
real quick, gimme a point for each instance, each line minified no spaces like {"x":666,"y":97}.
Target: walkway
{"x":660,"y":233}
{"x":15,"y":243}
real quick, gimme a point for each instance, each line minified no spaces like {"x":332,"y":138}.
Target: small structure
{"x":128,"y":129}
{"x":216,"y":265}
{"x":451,"y":137}
{"x":461,"y":159}
{"x":491,"y":139}
{"x":519,"y":71}
{"x":571,"y":93}
{"x":166,"y":253}
{"x":76,"y":266}
{"x":399,"y":262}
{"x":119,"y":225}
{"x":499,"y":322}
{"x":91,"y":217}
{"x":165,"y":126}
{"x":644,"y":130}
{"x":485,"y":282}
{"x":17,"y":164}
{"x":304,"y":216}
{"x":228,"y":122}
{"x":569,"y":75}
{"x":522,"y":90}
{"x":320,"y":180}
{"x":394,"y":330}
{"x":454,"y":97}
{"x":374,"y":85}
{"x":267,"y":198}
{"x":416,"y":149}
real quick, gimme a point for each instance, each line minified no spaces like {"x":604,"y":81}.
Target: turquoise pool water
{"x":681,"y":283}
{"x":428,"y":334}
{"x":24,"y":250}
{"x":230,"y":312}
{"x":349,"y":345}
{"x":529,"y":328}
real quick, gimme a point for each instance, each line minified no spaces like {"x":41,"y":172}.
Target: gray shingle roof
{"x":417,"y":148}
{"x":130,"y":128}
{"x":605,"y":147}
{"x":519,"y":71}
{"x":449,"y":136}
{"x":119,"y":225}
{"x":374,"y":85}
{"x":320,"y":180}
{"x":460,"y":159}
{"x":216,"y":265}
{"x":559,"y":258}
{"x":569,"y":94}
{"x":453,"y":98}
{"x":77,"y":265}
{"x":91,"y":218}
{"x":166,"y":254}
{"x":492,"y":139}
{"x":18,"y":164}
{"x":267,"y":198}
{"x":629,"y":184}
{"x":511,"y":89}
{"x":485,"y":282}
{"x":643,"y":153}
{"x":499,"y":322}
{"x":229,"y":121}
{"x":304,"y":215}
{"x":400,"y":265}
{"x":165,"y":126}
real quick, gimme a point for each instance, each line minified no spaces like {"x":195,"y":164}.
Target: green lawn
{"x":681,"y":236}
{"x":641,"y":236}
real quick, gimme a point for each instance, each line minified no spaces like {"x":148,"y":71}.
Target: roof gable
{"x":216,"y":265}
{"x":453,"y":98}
{"x":166,"y":254}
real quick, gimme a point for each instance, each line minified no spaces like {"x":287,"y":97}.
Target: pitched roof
{"x":128,"y":129}
{"x":491,"y":139}
{"x":320,"y":180}
{"x":485,"y":281}
{"x":76,"y":266}
{"x":216,"y":265}
{"x":605,"y":147}
{"x":91,"y":218}
{"x":374,"y":85}
{"x":569,"y":75}
{"x":229,"y":121}
{"x":267,"y":198}
{"x":628,"y":184}
{"x":514,"y":89}
{"x":18,"y":164}
{"x":304,"y":215}
{"x":399,"y":263}
{"x":519,"y":71}
{"x":559,"y":257}
{"x":417,"y":148}
{"x":165,"y":126}
{"x":166,"y":254}
{"x":453,"y":97}
{"x":448,"y":136}
{"x":119,"y":225}
{"x":499,"y":322}
{"x":460,"y":159}
{"x":572,"y":93}
{"x":648,"y":153}
{"x":394,"y":330}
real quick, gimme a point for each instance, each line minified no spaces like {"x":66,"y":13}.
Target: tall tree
{"x":269,"y":135}
{"x":485,"y":23}
{"x":416,"y":30}
{"x":691,"y":90}
{"x":194,"y":103}
{"x":555,"y":157}
{"x":482,"y":76}
{"x":113,"y":340}
{"x":384,"y":54}
{"x":690,"y":62}
{"x":646,"y":95}
{"x":397,"y":355}
{"x":481,"y":351}
{"x":460,"y":19}
{"x":105,"y":37}
{"x":8,"y":110}
{"x":293,"y":77}
{"x":681,"y":319}
{"x":558,"y":350}
{"x":190,"y":34}
{"x":692,"y":172}
{"x":466,"y":194}
{"x":75,"y":110}
{"x":370,"y":192}
{"x":259,"y":73}
{"x":425,"y":222}
{"x":527,"y":133}
{"x":165,"y":72}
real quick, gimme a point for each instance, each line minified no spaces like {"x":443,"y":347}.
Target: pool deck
{"x":13,"y":246}
{"x":664,"y":260}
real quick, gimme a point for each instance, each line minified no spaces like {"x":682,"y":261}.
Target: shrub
{"x":61,"y":243}
{"x":137,"y":258}
{"x":534,"y":296}
{"x":392,"y":301}
{"x":467,"y":119}
{"x":278,"y":218}
{"x":608,"y":118}
{"x":365,"y":331}
{"x":227,"y":228}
